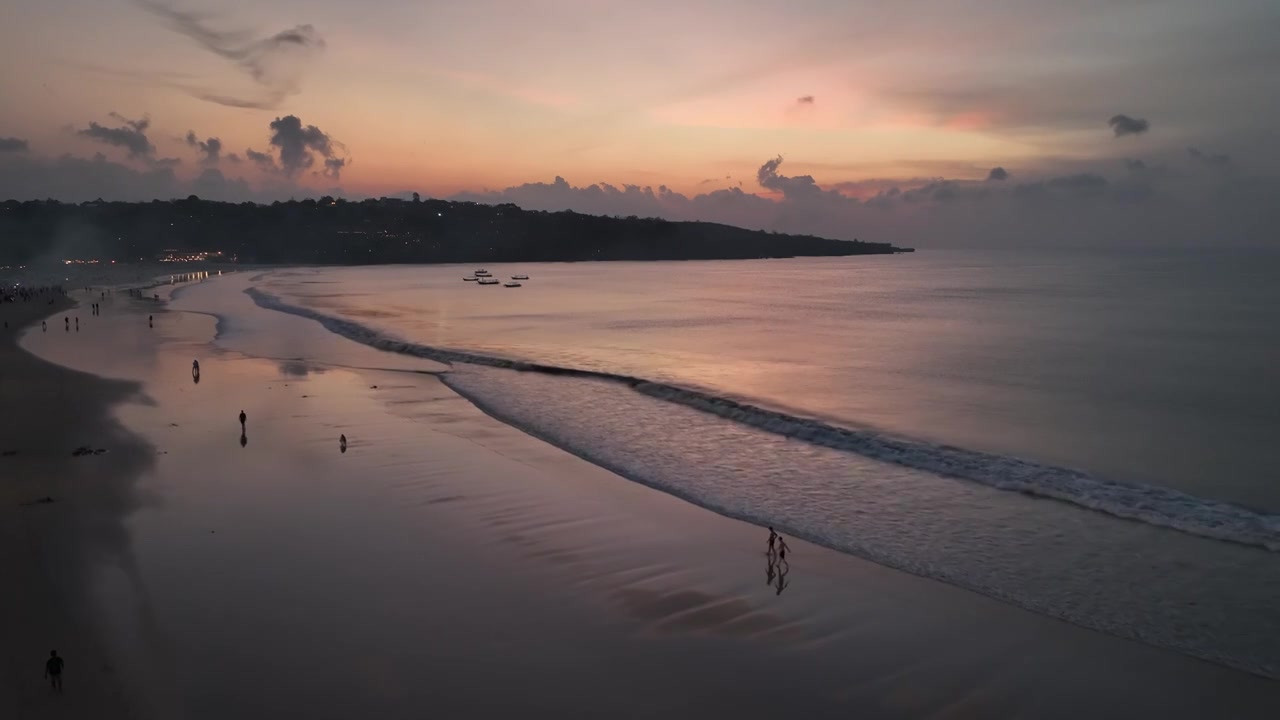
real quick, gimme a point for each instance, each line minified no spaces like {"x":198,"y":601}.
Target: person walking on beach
{"x":243,"y":417}
{"x":53,"y":671}
{"x":773,"y":536}
{"x":782,"y":549}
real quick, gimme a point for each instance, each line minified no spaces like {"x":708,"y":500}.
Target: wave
{"x":1161,"y":507}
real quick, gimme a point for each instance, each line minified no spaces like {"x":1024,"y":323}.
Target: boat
{"x":519,"y":277}
{"x":482,"y":273}
{"x":470,"y":279}
{"x":511,"y":284}
{"x":487,"y":281}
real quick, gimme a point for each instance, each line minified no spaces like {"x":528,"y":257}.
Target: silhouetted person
{"x":150,"y":321}
{"x":44,"y":326}
{"x":243,"y":417}
{"x":772,"y":537}
{"x":67,"y":322}
{"x":342,"y":443}
{"x":53,"y":671}
{"x":77,"y":324}
{"x":782,"y":549}
{"x":195,"y":366}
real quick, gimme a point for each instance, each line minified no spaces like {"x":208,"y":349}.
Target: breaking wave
{"x":1155,"y":506}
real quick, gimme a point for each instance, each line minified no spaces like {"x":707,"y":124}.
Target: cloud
{"x":998,"y":173}
{"x":75,"y":179}
{"x":300,"y":144}
{"x":799,"y":187}
{"x":275,"y":63}
{"x":1080,"y":182}
{"x":262,"y":160}
{"x":13,"y":145}
{"x":333,"y":166}
{"x":131,"y":135}
{"x":212,"y":148}
{"x":1123,"y":125}
{"x":1217,"y":161}
{"x":805,"y":100}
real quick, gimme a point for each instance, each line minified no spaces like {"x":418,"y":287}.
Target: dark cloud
{"x":212,"y":148}
{"x":131,"y":135}
{"x":1123,"y":125}
{"x":805,"y":100}
{"x":262,"y":160}
{"x":1081,"y":182}
{"x":13,"y":145}
{"x":1217,"y":161}
{"x":232,"y":158}
{"x":998,"y":173}
{"x":300,"y":144}
{"x":275,"y":63}
{"x":333,"y":166}
{"x":799,"y":187}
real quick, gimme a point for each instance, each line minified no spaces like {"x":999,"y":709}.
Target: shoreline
{"x":450,"y":545}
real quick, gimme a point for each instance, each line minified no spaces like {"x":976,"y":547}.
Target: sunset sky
{"x":907,"y":103}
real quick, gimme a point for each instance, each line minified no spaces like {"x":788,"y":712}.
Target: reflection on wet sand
{"x":777,"y":566}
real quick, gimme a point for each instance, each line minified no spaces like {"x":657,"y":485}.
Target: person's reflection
{"x":195,"y":375}
{"x":783,"y":569}
{"x":776,"y":565}
{"x":244,"y":439}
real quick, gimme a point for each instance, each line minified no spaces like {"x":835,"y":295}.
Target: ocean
{"x":1086,"y":435}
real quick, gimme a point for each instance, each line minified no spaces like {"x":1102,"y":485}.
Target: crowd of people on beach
{"x":30,"y":294}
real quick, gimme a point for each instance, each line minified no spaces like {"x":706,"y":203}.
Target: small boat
{"x":487,"y":281}
{"x":519,"y":277}
{"x":511,"y":284}
{"x":470,"y":279}
{"x":482,"y":273}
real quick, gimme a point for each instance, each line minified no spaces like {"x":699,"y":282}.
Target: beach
{"x":443,"y":562}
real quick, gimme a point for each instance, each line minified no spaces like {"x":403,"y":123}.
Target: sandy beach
{"x":60,"y":515}
{"x":445,"y":564}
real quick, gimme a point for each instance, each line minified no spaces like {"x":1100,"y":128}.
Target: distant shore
{"x":387,"y":231}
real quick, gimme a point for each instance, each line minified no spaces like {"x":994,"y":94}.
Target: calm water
{"x":1082,"y":435}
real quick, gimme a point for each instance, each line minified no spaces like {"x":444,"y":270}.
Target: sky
{"x":1001,"y":122}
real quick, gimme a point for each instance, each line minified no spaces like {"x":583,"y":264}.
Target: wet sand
{"x":448,"y":564}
